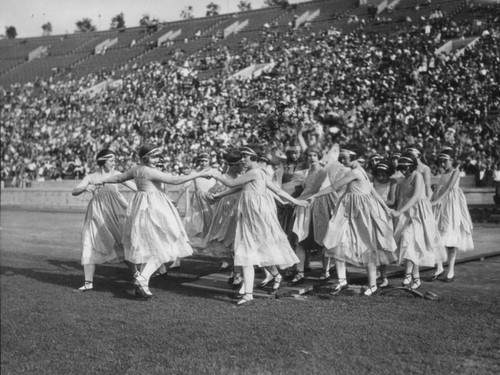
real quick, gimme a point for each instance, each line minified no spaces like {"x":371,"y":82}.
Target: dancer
{"x":452,"y":216}
{"x":360,"y":232}
{"x":423,"y":169}
{"x":103,"y":225}
{"x":259,"y":239}
{"x":416,"y":232}
{"x":385,"y":186}
{"x":220,"y":237}
{"x":310,"y":223}
{"x":153,"y":232}
{"x":199,"y":212}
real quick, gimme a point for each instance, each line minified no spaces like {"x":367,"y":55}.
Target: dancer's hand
{"x":302,"y":203}
{"x":92,"y":188}
{"x":311,"y":199}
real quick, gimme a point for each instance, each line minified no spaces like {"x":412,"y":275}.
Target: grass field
{"x":47,"y":329}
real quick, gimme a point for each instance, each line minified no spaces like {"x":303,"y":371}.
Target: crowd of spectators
{"x":382,"y":91}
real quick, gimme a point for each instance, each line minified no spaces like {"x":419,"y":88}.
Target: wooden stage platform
{"x":486,"y":242}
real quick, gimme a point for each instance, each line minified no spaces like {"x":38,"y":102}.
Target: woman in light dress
{"x":360,"y":232}
{"x":259,"y":239}
{"x":311,"y":223}
{"x":153,"y":232}
{"x":220,"y":237}
{"x":103,"y":225}
{"x":416,"y":232}
{"x":452,"y":215}
{"x":385,"y":186}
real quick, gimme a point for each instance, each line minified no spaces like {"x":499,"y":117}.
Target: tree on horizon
{"x":187,"y":13}
{"x":85,"y":25}
{"x":244,"y":6}
{"x":212,"y":9}
{"x":10,"y":32}
{"x":118,"y":21}
{"x":47,"y":29}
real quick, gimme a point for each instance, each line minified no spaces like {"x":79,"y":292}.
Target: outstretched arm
{"x":117,"y":178}
{"x":83,"y":186}
{"x":159,"y":176}
{"x":283,"y":194}
{"x":239,"y":181}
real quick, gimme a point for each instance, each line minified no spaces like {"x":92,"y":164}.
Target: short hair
{"x":103,"y":156}
{"x":408,"y":159}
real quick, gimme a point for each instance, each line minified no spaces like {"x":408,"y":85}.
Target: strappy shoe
{"x":341,"y":285}
{"x":415,"y":284}
{"x":383,"y":282}
{"x":238,"y":280}
{"x":407,"y":280}
{"x":267,"y":280}
{"x":325,"y":276}
{"x":247,"y":300}
{"x":159,"y":274}
{"x":370,"y":291}
{"x":298,"y":279}
{"x":277,"y":282}
{"x":87,"y":287}
{"x":141,"y":288}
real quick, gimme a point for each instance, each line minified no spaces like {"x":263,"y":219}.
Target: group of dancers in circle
{"x":254,"y":215}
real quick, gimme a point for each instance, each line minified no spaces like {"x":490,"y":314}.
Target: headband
{"x":203,"y":157}
{"x":105,"y":157}
{"x":444,"y":156}
{"x":404,"y":160}
{"x":154,"y":151}
{"x":412,"y":149}
{"x":376,"y":156}
{"x":396,"y":155}
{"x":346,"y":151}
{"x":248,"y":151}
{"x":382,"y":167}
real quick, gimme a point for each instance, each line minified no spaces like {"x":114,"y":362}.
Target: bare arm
{"x":159,"y":176}
{"x":391,"y":197}
{"x":417,"y":191}
{"x":239,"y":181}
{"x":426,"y":174}
{"x":83,"y":186}
{"x":455,"y":175}
{"x":283,"y":194}
{"x":349,"y":177}
{"x":318,"y":181}
{"x":228,"y":192}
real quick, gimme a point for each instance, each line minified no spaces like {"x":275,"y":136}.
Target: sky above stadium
{"x":28,"y":16}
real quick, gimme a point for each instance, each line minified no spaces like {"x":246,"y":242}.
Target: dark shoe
{"x":159,"y":274}
{"x":298,"y":279}
{"x":449,"y":279}
{"x":237,"y":280}
{"x":435,"y":277}
{"x":325,"y":276}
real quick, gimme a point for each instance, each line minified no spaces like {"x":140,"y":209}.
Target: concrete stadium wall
{"x":56,"y":196}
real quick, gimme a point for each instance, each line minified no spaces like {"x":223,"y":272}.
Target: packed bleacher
{"x":383,"y":90}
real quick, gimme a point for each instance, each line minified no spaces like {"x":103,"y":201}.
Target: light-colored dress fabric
{"x":360,"y":231}
{"x":453,"y":217}
{"x":416,"y":231}
{"x":103,"y":226}
{"x":259,"y":239}
{"x":153,"y":230}
{"x":220,"y":237}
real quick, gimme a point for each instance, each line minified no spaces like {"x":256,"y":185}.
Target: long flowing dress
{"x":360,"y":232}
{"x":259,"y":238}
{"x":199,"y":213}
{"x":453,"y":217}
{"x":311,"y":223}
{"x":153,"y":229}
{"x":220,"y":237}
{"x":416,"y":230}
{"x":103,"y":226}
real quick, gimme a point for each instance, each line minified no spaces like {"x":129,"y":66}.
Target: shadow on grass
{"x":114,"y":278}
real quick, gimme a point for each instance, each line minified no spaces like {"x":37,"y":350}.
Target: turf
{"x":47,"y":329}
